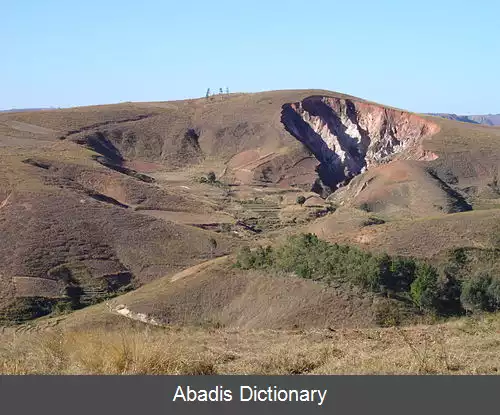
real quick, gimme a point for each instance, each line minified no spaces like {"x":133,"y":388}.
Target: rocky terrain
{"x":349,"y":136}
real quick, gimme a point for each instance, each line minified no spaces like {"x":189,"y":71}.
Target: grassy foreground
{"x":463,"y":346}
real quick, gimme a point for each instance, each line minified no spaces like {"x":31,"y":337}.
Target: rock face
{"x":348,"y":136}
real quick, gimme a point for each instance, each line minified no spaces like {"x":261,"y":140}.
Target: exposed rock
{"x":348,"y":136}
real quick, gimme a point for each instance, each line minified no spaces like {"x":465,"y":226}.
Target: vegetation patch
{"x":476,"y":273}
{"x":446,"y":290}
{"x":300,"y":200}
{"x":372,"y":221}
{"x":26,"y":308}
{"x":211,"y":179}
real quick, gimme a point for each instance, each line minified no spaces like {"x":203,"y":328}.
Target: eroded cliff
{"x":348,"y":136}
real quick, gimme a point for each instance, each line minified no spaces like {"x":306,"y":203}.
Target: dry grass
{"x":464,"y":346}
{"x":101,"y":352}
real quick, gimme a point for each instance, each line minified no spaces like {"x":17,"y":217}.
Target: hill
{"x":490,"y":119}
{"x":102,"y":200}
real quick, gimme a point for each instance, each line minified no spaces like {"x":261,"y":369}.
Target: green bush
{"x":259,"y":258}
{"x":494,"y":294}
{"x":300,"y":200}
{"x":365,"y":207}
{"x":211,"y":178}
{"x":424,"y":289}
{"x":447,"y":291}
{"x":244,"y":259}
{"x":309,"y":257}
{"x":481,"y":292}
{"x":402,"y":274}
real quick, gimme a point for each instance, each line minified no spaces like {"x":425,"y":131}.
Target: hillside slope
{"x":98,"y":200}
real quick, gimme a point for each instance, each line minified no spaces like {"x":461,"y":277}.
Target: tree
{"x":424,"y":290}
{"x":402,"y":274}
{"x":211,"y":177}
{"x":494,"y":294}
{"x":301,"y":200}
{"x":481,"y":292}
{"x":208,"y":93}
{"x":220,"y":91}
{"x":245,"y":259}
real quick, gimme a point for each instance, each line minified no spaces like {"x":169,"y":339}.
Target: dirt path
{"x":194,"y":269}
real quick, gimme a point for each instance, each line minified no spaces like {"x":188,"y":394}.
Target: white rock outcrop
{"x":348,"y":136}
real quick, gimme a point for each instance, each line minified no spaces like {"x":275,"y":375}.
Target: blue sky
{"x":427,"y":56}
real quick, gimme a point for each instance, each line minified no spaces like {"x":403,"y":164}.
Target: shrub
{"x":458,"y":257}
{"x":300,"y":200}
{"x":450,"y":290}
{"x":263,"y":257}
{"x":402,"y":274}
{"x":244,"y":259}
{"x":211,"y":178}
{"x":309,"y":257}
{"x":63,"y":307}
{"x":225,"y":227}
{"x":331,"y":208}
{"x":424,"y":290}
{"x":372,"y":221}
{"x":259,"y":258}
{"x":365,"y":207}
{"x":494,"y":294}
{"x":481,"y":292}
